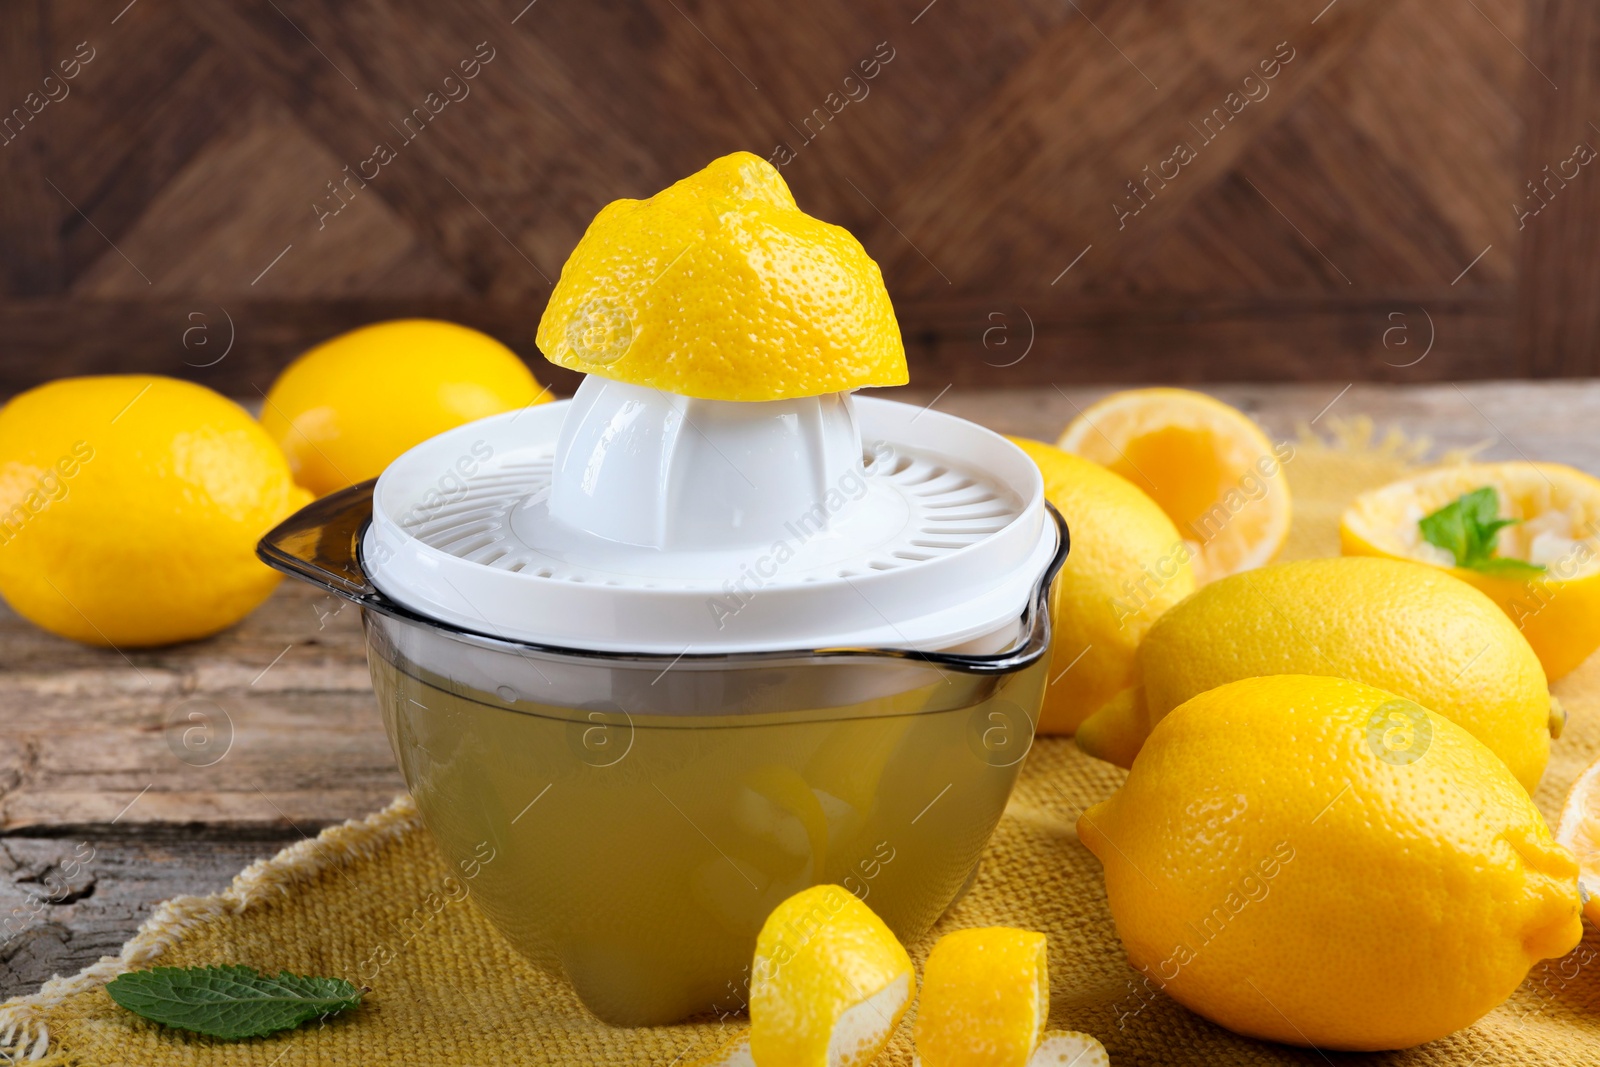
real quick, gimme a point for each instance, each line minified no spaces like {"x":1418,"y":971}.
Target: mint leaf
{"x":230,"y":1002}
{"x":1468,"y":528}
{"x":1505,"y":567}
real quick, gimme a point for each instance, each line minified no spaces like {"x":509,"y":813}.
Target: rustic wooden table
{"x":179,"y":766}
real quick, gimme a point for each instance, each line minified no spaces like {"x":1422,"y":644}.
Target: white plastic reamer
{"x":632,"y":520}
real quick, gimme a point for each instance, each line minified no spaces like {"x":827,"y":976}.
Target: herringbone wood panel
{"x":1117,"y":189}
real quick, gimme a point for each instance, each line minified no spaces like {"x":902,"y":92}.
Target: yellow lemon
{"x":985,"y":996}
{"x":1558,"y":527}
{"x":1319,"y":862}
{"x":1208,"y":465}
{"x":131,"y":509}
{"x":1126,"y":567}
{"x":1579,"y":830}
{"x":719,"y":287}
{"x":346,"y":409}
{"x":1404,"y":627}
{"x":829,"y":983}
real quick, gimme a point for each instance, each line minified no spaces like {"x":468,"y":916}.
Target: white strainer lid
{"x":628,"y":519}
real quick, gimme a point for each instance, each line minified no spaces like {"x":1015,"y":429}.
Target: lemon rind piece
{"x":829,"y":982}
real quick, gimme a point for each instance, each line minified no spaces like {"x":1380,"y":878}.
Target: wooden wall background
{"x":162,"y":211}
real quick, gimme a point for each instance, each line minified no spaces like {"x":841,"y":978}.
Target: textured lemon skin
{"x":1405,"y":627}
{"x":150,"y":539}
{"x":1269,"y":871}
{"x":1115,"y":732}
{"x":985,"y":995}
{"x":719,"y":287}
{"x":1126,"y":567}
{"x":346,"y":409}
{"x":1559,"y":617}
{"x":1204,"y":462}
{"x":819,"y":953}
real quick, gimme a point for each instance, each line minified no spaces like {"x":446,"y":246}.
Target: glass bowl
{"x":631,"y":820}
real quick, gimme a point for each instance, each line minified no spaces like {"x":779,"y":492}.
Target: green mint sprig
{"x":1468,"y":528}
{"x":230,"y":1002}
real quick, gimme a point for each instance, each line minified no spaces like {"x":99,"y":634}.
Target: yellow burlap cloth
{"x":453,"y":992}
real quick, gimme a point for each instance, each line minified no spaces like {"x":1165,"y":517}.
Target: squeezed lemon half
{"x":1207,"y":465}
{"x":1557,"y":510}
{"x":1579,"y":830}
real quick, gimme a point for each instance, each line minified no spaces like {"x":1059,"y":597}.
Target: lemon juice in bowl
{"x":640,"y":853}
{"x":713,"y":631}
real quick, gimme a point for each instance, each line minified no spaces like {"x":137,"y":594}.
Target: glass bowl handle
{"x":321,"y":543}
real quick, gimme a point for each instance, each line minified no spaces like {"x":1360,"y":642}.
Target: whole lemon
{"x":1405,"y":627}
{"x":1319,"y":862}
{"x":132,"y":506}
{"x":1128,"y":564}
{"x":719,"y":287}
{"x":346,"y":409}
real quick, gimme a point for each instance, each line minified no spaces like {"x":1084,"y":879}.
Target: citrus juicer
{"x":652,"y":663}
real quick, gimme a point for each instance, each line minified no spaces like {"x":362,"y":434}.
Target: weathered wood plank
{"x":1077,"y":339}
{"x":51,"y":924}
{"x":995,"y":141}
{"x":30,"y":252}
{"x":1033,"y":195}
{"x":979,"y":342}
{"x":114,"y":145}
{"x":269,"y":725}
{"x":1558,"y":321}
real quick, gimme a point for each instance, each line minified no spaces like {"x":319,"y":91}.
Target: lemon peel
{"x":985,"y":996}
{"x":720,"y":287}
{"x":829,"y":982}
{"x":1069,"y":1048}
